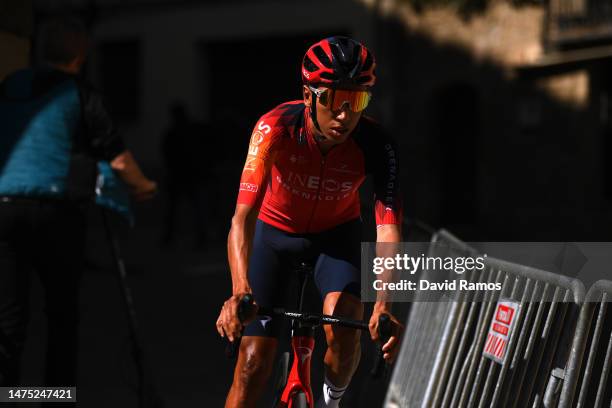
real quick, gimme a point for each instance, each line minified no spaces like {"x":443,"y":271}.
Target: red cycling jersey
{"x":304,"y":191}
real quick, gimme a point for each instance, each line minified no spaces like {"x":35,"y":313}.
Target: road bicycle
{"x":292,"y":388}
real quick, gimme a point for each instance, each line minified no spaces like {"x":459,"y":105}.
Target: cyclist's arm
{"x":387,"y":236}
{"x":387,"y":207}
{"x":388,"y":214}
{"x":239,"y":243}
{"x":253,"y":183}
{"x":260,"y":158}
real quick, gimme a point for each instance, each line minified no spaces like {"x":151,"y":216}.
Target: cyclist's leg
{"x":343,"y":344}
{"x":253,"y":368}
{"x":259,"y":342}
{"x":338,"y":278}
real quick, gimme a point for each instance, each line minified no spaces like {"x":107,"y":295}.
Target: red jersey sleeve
{"x":263,"y":146}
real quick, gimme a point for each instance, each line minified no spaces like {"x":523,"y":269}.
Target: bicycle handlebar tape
{"x":384,"y":333}
{"x":231,"y":350}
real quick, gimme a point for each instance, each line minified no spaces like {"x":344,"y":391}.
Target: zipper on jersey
{"x":314,"y":207}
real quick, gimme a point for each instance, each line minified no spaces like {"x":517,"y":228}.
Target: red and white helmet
{"x":337,"y":61}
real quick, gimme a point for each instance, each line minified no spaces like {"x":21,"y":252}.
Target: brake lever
{"x":232,"y":347}
{"x":384,"y":333}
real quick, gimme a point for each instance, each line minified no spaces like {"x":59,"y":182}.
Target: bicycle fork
{"x":302,"y":344}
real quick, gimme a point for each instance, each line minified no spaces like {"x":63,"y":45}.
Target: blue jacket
{"x":55,"y":136}
{"x":37,"y":136}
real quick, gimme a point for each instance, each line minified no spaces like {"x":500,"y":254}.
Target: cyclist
{"x":299,"y":199}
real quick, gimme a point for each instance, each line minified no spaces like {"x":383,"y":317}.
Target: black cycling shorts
{"x":336,"y":254}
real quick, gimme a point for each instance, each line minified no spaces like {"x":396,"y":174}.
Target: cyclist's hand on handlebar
{"x":229,"y":323}
{"x":391,"y":347}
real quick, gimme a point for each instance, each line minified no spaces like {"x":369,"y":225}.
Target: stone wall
{"x":493,"y":147}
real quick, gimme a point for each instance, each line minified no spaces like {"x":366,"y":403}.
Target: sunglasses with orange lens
{"x":335,"y":99}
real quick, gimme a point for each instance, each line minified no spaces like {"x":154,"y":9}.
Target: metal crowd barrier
{"x":588,"y":382}
{"x":453,"y":356}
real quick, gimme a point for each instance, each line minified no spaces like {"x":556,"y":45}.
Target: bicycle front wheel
{"x":280,"y":378}
{"x":299,"y":400}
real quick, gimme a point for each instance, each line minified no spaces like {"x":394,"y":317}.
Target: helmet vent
{"x":318,"y":51}
{"x":309,"y":65}
{"x":339,"y":55}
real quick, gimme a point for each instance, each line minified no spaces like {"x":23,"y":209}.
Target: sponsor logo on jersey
{"x":343,"y":168}
{"x":248,"y":187}
{"x":392,"y":176}
{"x":257,"y":139}
{"x":327,"y":185}
{"x":263,"y":127}
{"x":300,"y":160}
{"x":251,"y":163}
{"x":307,"y":187}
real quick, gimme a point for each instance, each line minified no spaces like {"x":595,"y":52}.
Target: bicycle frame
{"x":302,"y":346}
{"x":299,"y":376}
{"x":303,"y":342}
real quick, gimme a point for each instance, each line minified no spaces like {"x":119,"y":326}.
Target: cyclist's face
{"x":336,"y":125}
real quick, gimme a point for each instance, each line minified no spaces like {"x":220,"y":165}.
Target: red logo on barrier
{"x":495,"y":347}
{"x":504,"y":314}
{"x":504,"y":320}
{"x":500,"y":328}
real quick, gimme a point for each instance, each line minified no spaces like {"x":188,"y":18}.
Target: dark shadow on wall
{"x":122,"y":82}
{"x":490,"y":153}
{"x":606,"y":117}
{"x":455,"y":119}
